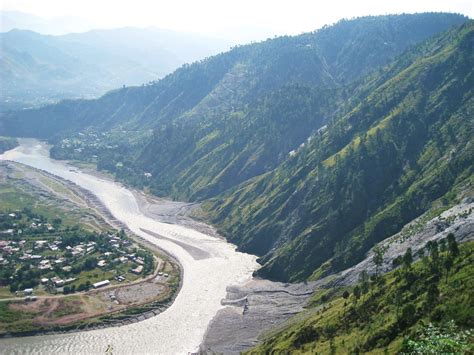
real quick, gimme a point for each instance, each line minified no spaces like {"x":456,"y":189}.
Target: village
{"x":39,"y":257}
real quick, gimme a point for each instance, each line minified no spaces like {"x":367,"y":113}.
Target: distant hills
{"x":11,"y":20}
{"x":38,"y":69}
{"x":307,"y":150}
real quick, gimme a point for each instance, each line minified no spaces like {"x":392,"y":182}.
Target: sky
{"x":269,"y":17}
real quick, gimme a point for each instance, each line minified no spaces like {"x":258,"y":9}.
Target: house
{"x":57,"y":281}
{"x":101,"y":284}
{"x":44,"y":265}
{"x":69,"y":280}
{"x":39,"y":244}
{"x":28,"y":291}
{"x":138,"y":270}
{"x":44,"y":280}
{"x":101,"y":263}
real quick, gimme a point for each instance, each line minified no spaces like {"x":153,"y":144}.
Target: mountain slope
{"x":39,"y":68}
{"x":405,"y":146}
{"x":228,"y":118}
{"x":389,"y":313}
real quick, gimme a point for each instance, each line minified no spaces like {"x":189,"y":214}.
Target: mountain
{"x":402,"y":149}
{"x":38,"y":69}
{"x":310,"y":148}
{"x":216,"y":123}
{"x":420,"y":308}
{"x":11,"y":20}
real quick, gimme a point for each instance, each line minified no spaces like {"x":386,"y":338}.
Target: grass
{"x":372,"y":323}
{"x":67,"y":306}
{"x":15,"y":199}
{"x":13,"y":320}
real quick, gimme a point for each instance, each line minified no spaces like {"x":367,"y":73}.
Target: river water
{"x":179,"y":329}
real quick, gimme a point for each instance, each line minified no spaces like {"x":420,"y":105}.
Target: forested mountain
{"x":312,"y":147}
{"x":38,"y":69}
{"x":216,"y":123}
{"x":407,"y":144}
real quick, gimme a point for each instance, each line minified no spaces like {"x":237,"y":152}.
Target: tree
{"x":442,"y":245}
{"x":398,"y":299}
{"x":408,"y":315}
{"x":346,"y":294}
{"x":452,"y":245}
{"x":448,"y":264}
{"x":378,"y":258}
{"x":364,"y":282}
{"x":90,"y":263}
{"x":356,"y":292}
{"x":432,"y":295}
{"x":397,"y":261}
{"x":408,"y":258}
{"x":432,"y":247}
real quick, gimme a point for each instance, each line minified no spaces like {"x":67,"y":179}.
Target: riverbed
{"x":210,"y":265}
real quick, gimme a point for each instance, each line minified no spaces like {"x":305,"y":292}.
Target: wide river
{"x":179,"y":329}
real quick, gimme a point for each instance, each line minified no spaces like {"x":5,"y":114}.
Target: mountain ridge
{"x":372,"y":170}
{"x":304,"y":169}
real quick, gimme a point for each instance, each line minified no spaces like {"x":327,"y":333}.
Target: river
{"x":179,"y":329}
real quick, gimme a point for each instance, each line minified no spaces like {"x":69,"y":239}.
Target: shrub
{"x":440,"y":339}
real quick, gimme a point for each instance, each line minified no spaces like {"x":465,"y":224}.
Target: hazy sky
{"x":211,"y":16}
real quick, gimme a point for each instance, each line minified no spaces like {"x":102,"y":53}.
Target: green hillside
{"x":312,"y":148}
{"x":424,"y":308}
{"x":405,"y":146}
{"x":216,"y":123}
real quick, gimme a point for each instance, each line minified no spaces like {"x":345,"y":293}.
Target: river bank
{"x":181,"y":327}
{"x":133,"y":300}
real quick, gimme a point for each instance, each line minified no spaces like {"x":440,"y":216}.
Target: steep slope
{"x":228,"y":118}
{"x":253,"y":119}
{"x":405,"y":146}
{"x":390,"y":314}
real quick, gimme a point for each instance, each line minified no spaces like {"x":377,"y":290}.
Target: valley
{"x":303,"y":194}
{"x":187,"y":314}
{"x":63,"y":268}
